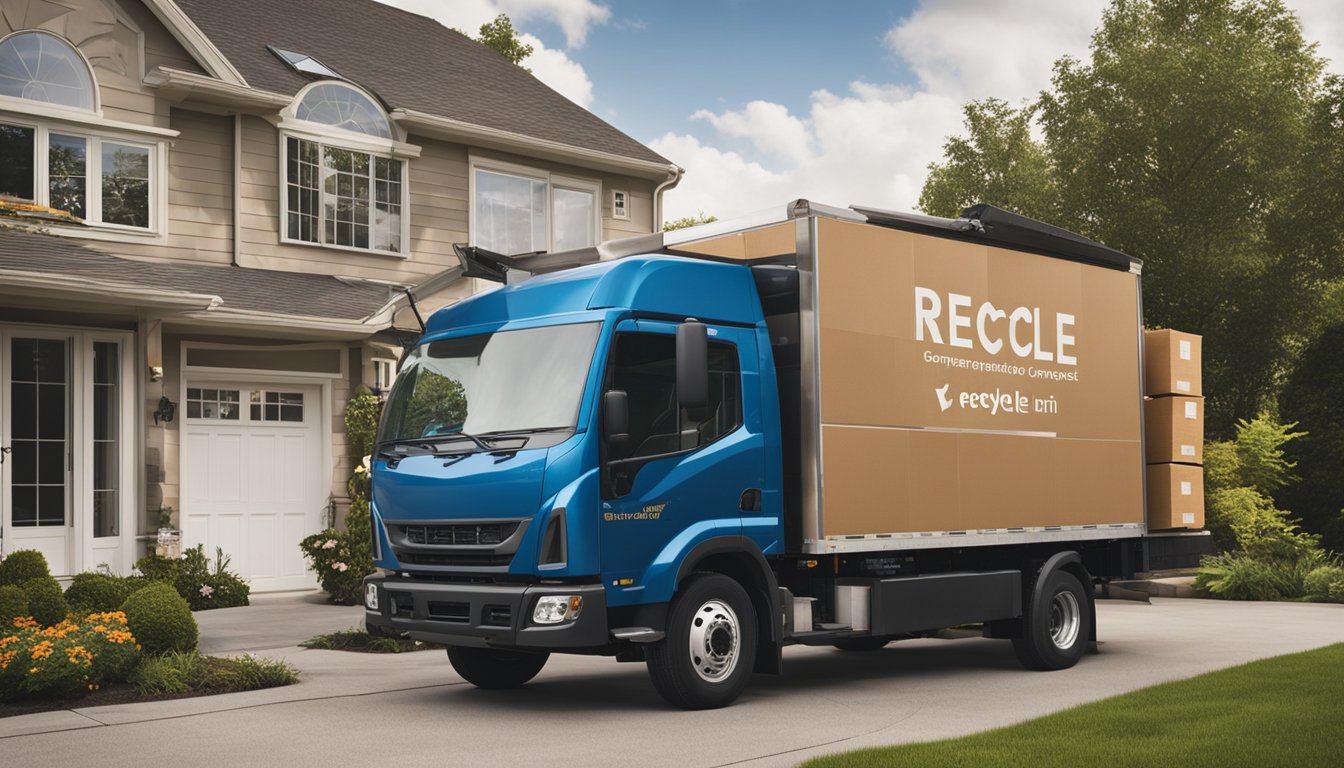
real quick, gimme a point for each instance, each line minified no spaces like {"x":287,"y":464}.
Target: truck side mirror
{"x":692,"y":369}
{"x":616,"y":421}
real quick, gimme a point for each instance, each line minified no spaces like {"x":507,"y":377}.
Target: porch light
{"x":167,"y":409}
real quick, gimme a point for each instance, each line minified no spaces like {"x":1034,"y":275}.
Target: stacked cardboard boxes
{"x":1173,"y":416}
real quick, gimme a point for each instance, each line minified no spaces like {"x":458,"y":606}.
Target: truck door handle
{"x":751,"y":500}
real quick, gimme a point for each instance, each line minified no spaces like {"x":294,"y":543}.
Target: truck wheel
{"x":492,"y":668}
{"x":862,"y":643}
{"x":706,"y":658}
{"x":1056,"y":626}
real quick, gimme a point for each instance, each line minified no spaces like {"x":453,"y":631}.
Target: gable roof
{"x":410,"y":62}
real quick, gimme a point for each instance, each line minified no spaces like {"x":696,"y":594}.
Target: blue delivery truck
{"x":821,"y":426}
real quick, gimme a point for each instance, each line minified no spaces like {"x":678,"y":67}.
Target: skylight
{"x":302,"y":62}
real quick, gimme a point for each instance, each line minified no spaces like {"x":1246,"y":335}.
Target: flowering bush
{"x":342,"y":558}
{"x":67,"y":659}
{"x":201,"y":585}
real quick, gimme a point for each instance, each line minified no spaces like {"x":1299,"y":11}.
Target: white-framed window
{"x":384,"y":373}
{"x":213,"y":404}
{"x":234,"y":405}
{"x":517,"y":210}
{"x":620,"y":205}
{"x":53,"y":151}
{"x":344,"y":173}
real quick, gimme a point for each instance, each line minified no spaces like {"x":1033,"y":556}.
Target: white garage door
{"x":253,"y":481}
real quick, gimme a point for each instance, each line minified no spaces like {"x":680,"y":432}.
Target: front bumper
{"x":494,"y":615}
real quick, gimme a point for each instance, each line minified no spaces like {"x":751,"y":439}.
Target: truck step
{"x":638,"y":634}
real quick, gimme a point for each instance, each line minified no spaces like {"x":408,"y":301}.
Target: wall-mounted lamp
{"x":167,"y":408}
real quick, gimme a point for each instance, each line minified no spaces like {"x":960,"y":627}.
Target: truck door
{"x":680,"y":476}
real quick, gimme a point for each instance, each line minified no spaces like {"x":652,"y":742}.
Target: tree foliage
{"x":996,"y":162}
{"x":1189,"y":138}
{"x":1315,"y":395}
{"x":500,"y":36}
{"x":688,"y":221}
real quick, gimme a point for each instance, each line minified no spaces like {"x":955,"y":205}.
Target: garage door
{"x":253,"y":481}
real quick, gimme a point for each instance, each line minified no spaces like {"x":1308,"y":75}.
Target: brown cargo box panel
{"x":1171,"y":363}
{"x":1175,"y":496}
{"x":968,"y":387}
{"x":1174,"y":428}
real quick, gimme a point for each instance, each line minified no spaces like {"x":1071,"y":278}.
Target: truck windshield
{"x":510,"y":381}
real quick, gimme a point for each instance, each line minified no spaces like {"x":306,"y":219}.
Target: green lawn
{"x":1285,"y":711}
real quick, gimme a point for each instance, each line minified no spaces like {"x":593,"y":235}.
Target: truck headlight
{"x":553,"y":609}
{"x":371,"y":596}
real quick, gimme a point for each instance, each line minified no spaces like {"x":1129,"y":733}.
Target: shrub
{"x":1273,"y":570}
{"x":203,"y":587}
{"x":97,"y":592}
{"x":256,"y":673}
{"x":161,"y":619}
{"x":155,"y":568}
{"x":1239,"y":516}
{"x":23,"y":565}
{"x":13,"y":603}
{"x":1314,"y":395}
{"x":68,"y":659}
{"x":46,"y":601}
{"x":170,"y":673}
{"x":342,"y":558}
{"x":361,"y":422}
{"x":1325,"y":584}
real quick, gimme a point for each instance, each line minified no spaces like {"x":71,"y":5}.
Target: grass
{"x":360,"y":641}
{"x":1287,"y":710}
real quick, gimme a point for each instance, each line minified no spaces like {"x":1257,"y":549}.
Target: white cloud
{"x":768,"y":126}
{"x":573,"y":17}
{"x":869,"y":146}
{"x":1323,"y":23}
{"x":558,"y":71}
{"x":969,"y":49}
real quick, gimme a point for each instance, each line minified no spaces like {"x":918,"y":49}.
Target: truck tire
{"x":1057,"y":624}
{"x":706,"y":658}
{"x":492,"y":668}
{"x":862,"y":643}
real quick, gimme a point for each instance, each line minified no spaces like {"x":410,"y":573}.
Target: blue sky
{"x":763,"y":102}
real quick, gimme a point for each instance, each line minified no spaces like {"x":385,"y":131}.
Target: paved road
{"x":412,"y":710}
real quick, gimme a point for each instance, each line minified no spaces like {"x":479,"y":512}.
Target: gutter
{"x":238,"y":189}
{"x":180,"y":83}
{"x":98,"y":290}
{"x":674,"y":175}
{"x":495,"y":138}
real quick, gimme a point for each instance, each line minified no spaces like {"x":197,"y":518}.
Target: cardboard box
{"x":1174,"y":430}
{"x":1171,"y":363}
{"x":1175,"y":496}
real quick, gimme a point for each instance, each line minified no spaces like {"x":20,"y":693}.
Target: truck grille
{"x":468,"y":559}
{"x":472,"y":534}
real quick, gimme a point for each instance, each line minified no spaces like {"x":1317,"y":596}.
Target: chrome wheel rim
{"x":715,"y":641}
{"x":1065,"y":619}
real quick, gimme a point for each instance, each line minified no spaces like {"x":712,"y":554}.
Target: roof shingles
{"x":259,"y":290}
{"x":408,"y":61}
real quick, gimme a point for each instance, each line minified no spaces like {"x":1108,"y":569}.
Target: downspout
{"x":674,"y":174}
{"x":238,"y":188}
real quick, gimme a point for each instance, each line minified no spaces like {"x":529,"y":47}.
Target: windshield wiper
{"x":427,"y":443}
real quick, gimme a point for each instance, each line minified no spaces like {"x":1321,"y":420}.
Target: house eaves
{"x":100,"y":291}
{"x":180,"y":84}
{"x":190,"y":36}
{"x":437,"y":126}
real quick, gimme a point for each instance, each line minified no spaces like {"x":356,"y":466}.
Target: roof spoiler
{"x":488,"y":265}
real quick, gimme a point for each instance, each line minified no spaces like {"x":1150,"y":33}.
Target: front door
{"x":682,"y":477}
{"x":35,"y":430}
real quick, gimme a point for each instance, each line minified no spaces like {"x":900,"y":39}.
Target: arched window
{"x":42,"y":67}
{"x":341,"y":106}
{"x":342,"y":189}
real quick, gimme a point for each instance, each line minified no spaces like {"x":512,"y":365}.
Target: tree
{"x":503,"y":38}
{"x":688,"y":221}
{"x":996,"y":162}
{"x":1185,"y":140}
{"x":1314,"y":396}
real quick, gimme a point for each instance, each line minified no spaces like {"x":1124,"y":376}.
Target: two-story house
{"x":252,"y":186}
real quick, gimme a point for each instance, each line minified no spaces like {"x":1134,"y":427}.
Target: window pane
{"x":16,"y":161}
{"x":575,"y":218}
{"x":510,"y":213}
{"x":387,"y":205}
{"x":301,"y":181}
{"x":106,"y":437}
{"x":345,"y":185}
{"x":725,"y":394}
{"x":125,"y":184}
{"x":42,"y":67}
{"x":343,"y":107}
{"x":66,"y":161}
{"x":645,"y":367}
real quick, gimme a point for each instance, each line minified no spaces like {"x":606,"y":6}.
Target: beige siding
{"x":200,"y":194}
{"x":161,"y":48}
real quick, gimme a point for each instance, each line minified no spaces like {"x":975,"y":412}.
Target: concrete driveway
{"x":411,"y":709}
